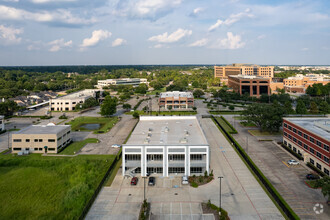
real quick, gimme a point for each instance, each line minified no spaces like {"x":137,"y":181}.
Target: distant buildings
{"x":69,"y":102}
{"x":310,"y":138}
{"x":223,"y":72}
{"x":34,"y":98}
{"x":167,"y":146}
{"x":125,"y":81}
{"x":300,"y":82}
{"x":253,"y":85}
{"x":2,"y":123}
{"x":41,"y":138}
{"x":176,"y":99}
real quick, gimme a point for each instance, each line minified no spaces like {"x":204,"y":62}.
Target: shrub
{"x":193,"y":184}
{"x":205,"y":174}
{"x":63,"y":117}
{"x":232,"y":107}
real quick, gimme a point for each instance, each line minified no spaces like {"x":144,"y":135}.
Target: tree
{"x":324,"y":107}
{"x":127,"y":106}
{"x":169,"y":107}
{"x":325,"y":184}
{"x":135,"y":114}
{"x":90,"y":103}
{"x":288,"y":108}
{"x":314,"y":109}
{"x":198,"y":93}
{"x":141,"y":89}
{"x":109,"y":106}
{"x":301,"y":107}
{"x":195,"y":84}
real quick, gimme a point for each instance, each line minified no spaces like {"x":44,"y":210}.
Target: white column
{"x":123,"y":161}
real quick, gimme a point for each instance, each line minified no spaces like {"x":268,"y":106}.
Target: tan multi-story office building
{"x":125,"y":81}
{"x":253,"y":85}
{"x":300,"y":82}
{"x":176,"y":99}
{"x":223,"y":72}
{"x":69,"y":102}
{"x":41,"y":138}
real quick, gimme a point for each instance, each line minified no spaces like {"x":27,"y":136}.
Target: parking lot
{"x":287,"y":179}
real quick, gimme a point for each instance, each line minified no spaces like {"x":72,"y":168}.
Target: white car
{"x":184,"y":180}
{"x":293,"y":162}
{"x":116,"y":146}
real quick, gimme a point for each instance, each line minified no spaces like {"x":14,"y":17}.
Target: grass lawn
{"x":36,"y":187}
{"x":165,"y":113}
{"x":154,"y":92}
{"x":311,"y":183}
{"x":106,"y":123}
{"x":224,"y":125}
{"x":76,"y":146}
{"x":225,"y":112}
{"x":14,"y":129}
{"x":247,"y":124}
{"x":263,"y":133}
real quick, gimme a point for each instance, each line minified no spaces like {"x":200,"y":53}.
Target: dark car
{"x":152,"y":181}
{"x":134,"y":181}
{"x":312,"y":177}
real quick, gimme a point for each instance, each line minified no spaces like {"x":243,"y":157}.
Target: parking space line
{"x":285,"y":164}
{"x":181,"y":210}
{"x":190,"y":211}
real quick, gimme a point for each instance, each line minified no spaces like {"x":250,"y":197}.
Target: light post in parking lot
{"x":220,"y":177}
{"x":144,"y":187}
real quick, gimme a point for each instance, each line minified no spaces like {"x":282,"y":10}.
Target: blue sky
{"x":119,"y":32}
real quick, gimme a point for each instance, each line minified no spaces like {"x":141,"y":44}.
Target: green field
{"x":247,"y":124}
{"x":155,"y":91}
{"x":263,"y":133}
{"x":225,"y":125}
{"x":76,"y":146}
{"x":36,"y":187}
{"x":106,"y":123}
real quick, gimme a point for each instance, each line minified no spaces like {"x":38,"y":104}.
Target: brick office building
{"x":310,"y":138}
{"x":176,"y":99}
{"x":253,"y":85}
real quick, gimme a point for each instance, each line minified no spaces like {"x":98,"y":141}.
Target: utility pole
{"x":220,"y":177}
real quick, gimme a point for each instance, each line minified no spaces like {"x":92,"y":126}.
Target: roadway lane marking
{"x":285,"y":164}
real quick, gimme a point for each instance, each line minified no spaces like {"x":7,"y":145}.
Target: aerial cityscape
{"x":164,"y":109}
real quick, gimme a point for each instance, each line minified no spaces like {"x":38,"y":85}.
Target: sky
{"x":135,"y":32}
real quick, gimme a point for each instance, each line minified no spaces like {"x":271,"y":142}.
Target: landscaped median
{"x":164,"y":113}
{"x":272,"y":192}
{"x":105,"y":124}
{"x":37,"y":187}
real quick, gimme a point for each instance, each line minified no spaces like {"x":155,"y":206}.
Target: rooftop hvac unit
{"x":167,"y":129}
{"x":146,"y":141}
{"x":184,"y":140}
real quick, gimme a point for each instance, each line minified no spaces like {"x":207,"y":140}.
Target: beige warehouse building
{"x":41,"y":138}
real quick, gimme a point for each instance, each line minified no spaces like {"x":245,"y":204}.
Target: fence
{"x":272,"y":191}
{"x":98,"y":189}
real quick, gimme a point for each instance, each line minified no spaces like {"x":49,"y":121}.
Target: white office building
{"x":125,"y":81}
{"x":166,"y":145}
{"x":2,"y":123}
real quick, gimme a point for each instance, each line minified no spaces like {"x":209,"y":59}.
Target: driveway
{"x":288,"y":180}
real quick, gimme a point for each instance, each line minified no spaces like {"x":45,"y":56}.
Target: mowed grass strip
{"x":74,"y":147}
{"x":36,"y":187}
{"x":165,"y":113}
{"x":106,"y":123}
{"x":224,"y":125}
{"x":263,"y":133}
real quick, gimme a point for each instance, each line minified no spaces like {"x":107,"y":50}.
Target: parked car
{"x":293,"y":162}
{"x":152,"y":181}
{"x":184,"y":180}
{"x":134,"y":181}
{"x":312,"y":177}
{"x":116,"y":146}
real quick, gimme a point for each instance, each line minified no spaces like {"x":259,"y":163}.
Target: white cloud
{"x":118,"y":42}
{"x":97,"y":36}
{"x":197,"y":11}
{"x":199,"y":43}
{"x":262,"y":36}
{"x":145,"y":9}
{"x":60,"y":16}
{"x":232,"y":42}
{"x":304,"y":49}
{"x":174,"y":37}
{"x":50,"y":1}
{"x":11,"y":0}
{"x":9,"y":35}
{"x":233,"y":18}
{"x":158,"y":46}
{"x":59,"y":44}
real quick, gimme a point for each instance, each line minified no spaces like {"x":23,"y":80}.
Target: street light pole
{"x":220,"y":177}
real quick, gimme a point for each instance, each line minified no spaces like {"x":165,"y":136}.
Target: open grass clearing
{"x":37,"y":187}
{"x":106,"y":123}
{"x":75,"y":147}
{"x":263,"y":133}
{"x":247,"y":124}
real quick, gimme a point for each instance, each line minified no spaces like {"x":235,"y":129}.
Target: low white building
{"x":166,"y":145}
{"x":69,"y":102}
{"x":2,"y":123}
{"x":125,"y":81}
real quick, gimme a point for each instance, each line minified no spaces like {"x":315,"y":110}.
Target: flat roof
{"x":167,"y":130}
{"x":176,"y":94}
{"x":80,"y":94}
{"x":318,"y":126}
{"x":43,"y":129}
{"x":248,"y":77}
